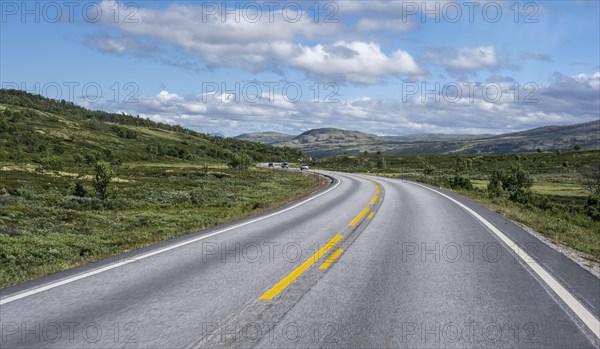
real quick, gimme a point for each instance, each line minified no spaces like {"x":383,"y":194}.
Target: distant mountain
{"x":332,"y":141}
{"x":265,"y":137}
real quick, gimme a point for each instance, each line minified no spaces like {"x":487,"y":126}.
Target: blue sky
{"x":363,"y":65}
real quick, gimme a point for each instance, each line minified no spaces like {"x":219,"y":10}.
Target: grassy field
{"x":44,"y":228}
{"x":568,"y":187}
{"x":473,"y":164}
{"x":562,"y":223}
{"x":167,"y":181}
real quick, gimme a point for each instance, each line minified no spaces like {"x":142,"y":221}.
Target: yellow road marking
{"x":358,"y":218}
{"x":371,"y":215}
{"x":374,"y":200}
{"x":330,"y":260}
{"x":281,"y":285}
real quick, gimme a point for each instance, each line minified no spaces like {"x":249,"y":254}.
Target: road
{"x":366,"y":263}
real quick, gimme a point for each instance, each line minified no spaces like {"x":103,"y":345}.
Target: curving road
{"x":366,"y":263}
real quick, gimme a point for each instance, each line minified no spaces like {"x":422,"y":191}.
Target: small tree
{"x":381,"y":164}
{"x":494,"y":187}
{"x":577,"y":147}
{"x":240,"y":161}
{"x":102,"y":180}
{"x":79,"y":190}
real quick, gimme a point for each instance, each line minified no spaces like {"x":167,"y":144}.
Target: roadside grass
{"x":561,"y":225}
{"x":44,"y":228}
{"x":549,"y":186}
{"x":475,"y":164}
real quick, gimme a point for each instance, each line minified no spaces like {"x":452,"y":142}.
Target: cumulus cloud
{"x":564,"y":100}
{"x":254,"y":41}
{"x":466,"y":61}
{"x":349,"y":61}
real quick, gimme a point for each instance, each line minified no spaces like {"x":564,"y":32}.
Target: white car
{"x":303,"y":167}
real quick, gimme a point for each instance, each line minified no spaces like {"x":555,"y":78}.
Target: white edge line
{"x":580,"y":310}
{"x":150,"y":254}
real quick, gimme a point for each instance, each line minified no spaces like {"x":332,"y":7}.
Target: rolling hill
{"x":265,"y":137}
{"x":52,"y":133}
{"x":330,"y":141}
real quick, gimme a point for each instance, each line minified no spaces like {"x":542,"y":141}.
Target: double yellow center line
{"x":274,"y":291}
{"x":281,"y":285}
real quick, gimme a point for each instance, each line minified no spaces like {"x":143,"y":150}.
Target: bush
{"x":240,"y":161}
{"x":429,"y":170}
{"x":53,"y":163}
{"x":514,"y":183}
{"x":592,"y":208}
{"x":84,"y":204}
{"x":461,"y":182}
{"x":79,"y":190}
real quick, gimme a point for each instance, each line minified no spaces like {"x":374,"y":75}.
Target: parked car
{"x":303,"y":167}
{"x":285,"y":165}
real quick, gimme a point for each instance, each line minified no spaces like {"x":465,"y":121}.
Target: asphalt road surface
{"x":365,"y":263}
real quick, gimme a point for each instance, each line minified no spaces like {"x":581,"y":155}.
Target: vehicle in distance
{"x":285,"y":165}
{"x":303,"y":167}
{"x":270,"y":164}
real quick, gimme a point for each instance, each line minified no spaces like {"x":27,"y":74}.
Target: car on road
{"x":303,"y":167}
{"x":270,"y":164}
{"x":285,"y":165}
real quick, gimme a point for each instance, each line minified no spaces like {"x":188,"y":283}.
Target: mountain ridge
{"x":334,"y":141}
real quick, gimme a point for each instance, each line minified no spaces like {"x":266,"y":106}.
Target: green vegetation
{"x":54,"y":134}
{"x":471,"y":164}
{"x":77,"y":186}
{"x":47,"y":224}
{"x":513,"y":183}
{"x":101,"y":181}
{"x":556,"y":194}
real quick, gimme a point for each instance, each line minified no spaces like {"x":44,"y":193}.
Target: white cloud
{"x":466,"y":58}
{"x":350,"y":61}
{"x":565,"y":100}
{"x":466,"y":61}
{"x":268,"y":44}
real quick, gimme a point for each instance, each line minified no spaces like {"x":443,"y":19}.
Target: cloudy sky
{"x":383,"y":67}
